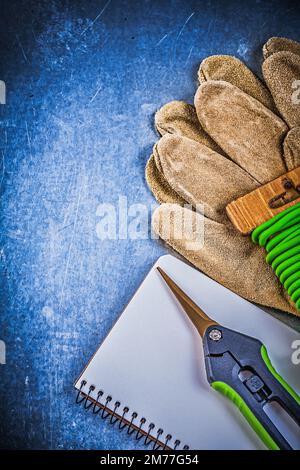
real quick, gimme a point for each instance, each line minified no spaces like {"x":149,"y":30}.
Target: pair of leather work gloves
{"x":239,"y":135}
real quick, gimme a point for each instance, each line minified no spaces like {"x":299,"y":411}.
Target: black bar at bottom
{"x":134,"y":459}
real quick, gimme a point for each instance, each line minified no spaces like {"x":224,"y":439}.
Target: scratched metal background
{"x":83,"y":81}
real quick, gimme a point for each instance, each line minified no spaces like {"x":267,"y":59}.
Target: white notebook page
{"x":152,"y":360}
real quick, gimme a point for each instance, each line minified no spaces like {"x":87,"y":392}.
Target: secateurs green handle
{"x":259,"y":384}
{"x":239,"y":367}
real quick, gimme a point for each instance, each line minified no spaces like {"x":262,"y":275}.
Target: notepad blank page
{"x":152,"y":360}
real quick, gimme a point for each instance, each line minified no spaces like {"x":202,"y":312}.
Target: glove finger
{"x":200,"y":175}
{"x":245,"y":129}
{"x":277,"y":44}
{"x":232,"y":70}
{"x":291,"y":148}
{"x":159,"y":186}
{"x":281,"y":72}
{"x":178,"y":117}
{"x":223,"y":254}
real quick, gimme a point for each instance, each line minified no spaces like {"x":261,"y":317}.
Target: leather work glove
{"x":229,"y":144}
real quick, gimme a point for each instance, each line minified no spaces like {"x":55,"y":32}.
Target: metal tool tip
{"x":195,"y":313}
{"x":162,"y":273}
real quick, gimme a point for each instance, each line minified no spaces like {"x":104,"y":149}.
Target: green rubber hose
{"x":281,"y":238}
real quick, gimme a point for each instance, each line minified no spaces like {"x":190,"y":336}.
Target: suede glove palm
{"x":227,"y":145}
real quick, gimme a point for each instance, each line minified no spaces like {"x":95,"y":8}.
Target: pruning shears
{"x":239,"y":367}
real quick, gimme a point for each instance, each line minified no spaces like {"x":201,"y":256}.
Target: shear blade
{"x":193,"y":311}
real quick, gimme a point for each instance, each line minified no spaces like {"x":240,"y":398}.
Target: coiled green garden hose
{"x":281,"y":238}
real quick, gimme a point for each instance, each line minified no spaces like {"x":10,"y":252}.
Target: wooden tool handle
{"x":255,"y":208}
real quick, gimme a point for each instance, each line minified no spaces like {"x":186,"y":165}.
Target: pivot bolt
{"x":215,"y":335}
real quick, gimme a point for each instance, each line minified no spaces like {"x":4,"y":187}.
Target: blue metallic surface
{"x":83,"y":81}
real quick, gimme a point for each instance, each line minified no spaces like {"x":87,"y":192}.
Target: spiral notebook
{"x":148,"y":375}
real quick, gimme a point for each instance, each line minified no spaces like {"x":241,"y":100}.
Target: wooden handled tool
{"x":249,"y":211}
{"x":271,"y":214}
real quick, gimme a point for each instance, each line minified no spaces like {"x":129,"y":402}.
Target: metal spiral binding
{"x":105,"y":412}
